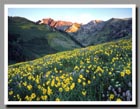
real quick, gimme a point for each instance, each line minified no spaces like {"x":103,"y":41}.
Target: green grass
{"x":28,"y":40}
{"x":96,"y":73}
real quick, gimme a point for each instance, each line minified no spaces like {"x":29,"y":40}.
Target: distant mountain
{"x":28,"y":40}
{"x":60,"y":25}
{"x":96,"y":32}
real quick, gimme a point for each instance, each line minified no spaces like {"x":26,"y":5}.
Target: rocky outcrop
{"x":73,"y":28}
{"x":60,"y":25}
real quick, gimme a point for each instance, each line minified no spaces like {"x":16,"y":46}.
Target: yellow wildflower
{"x":29,"y":69}
{"x":84,"y":83}
{"x":48,"y":82}
{"x":111,"y":96}
{"x":37,"y":80}
{"x":99,"y":69}
{"x":49,"y":91}
{"x":44,"y":97}
{"x":55,"y":69}
{"x":128,"y":72}
{"x":84,"y":93}
{"x":29,"y":77}
{"x":11,"y":92}
{"x":89,"y":66}
{"x":25,"y":84}
{"x":71,"y":78}
{"x":79,"y":80}
{"x":44,"y":91}
{"x":94,"y":77}
{"x":67,"y":89}
{"x":60,"y":71}
{"x":18,"y":96}
{"x":84,"y":78}
{"x":110,"y":73}
{"x":29,"y":87}
{"x":72,"y":86}
{"x":38,"y":99}
{"x":100,"y":74}
{"x":33,"y":95}
{"x":80,"y":76}
{"x":27,"y":98}
{"x":57,"y":78}
{"x":88,"y":60}
{"x":118,"y":99}
{"x":87,"y":71}
{"x":53,"y":83}
{"x":76,"y":68}
{"x":39,"y":86}
{"x":89,"y":82}
{"x":60,"y":89}
{"x":58,"y":84}
{"x":57,"y":99}
{"x":81,"y":62}
{"x":122,"y":74}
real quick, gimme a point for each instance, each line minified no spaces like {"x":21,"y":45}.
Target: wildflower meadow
{"x":96,"y":73}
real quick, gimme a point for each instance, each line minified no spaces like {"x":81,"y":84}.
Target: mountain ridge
{"x":28,"y":40}
{"x":90,"y":34}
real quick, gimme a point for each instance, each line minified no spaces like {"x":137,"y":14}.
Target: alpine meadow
{"x":61,"y":60}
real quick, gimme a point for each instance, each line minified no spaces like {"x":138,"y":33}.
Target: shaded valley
{"x":29,"y":40}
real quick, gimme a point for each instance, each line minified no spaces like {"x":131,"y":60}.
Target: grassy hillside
{"x":95,"y":73}
{"x":28,"y":40}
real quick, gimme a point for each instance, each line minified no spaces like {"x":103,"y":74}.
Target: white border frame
{"x":133,"y":102}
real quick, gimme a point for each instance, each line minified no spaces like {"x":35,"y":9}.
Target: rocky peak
{"x":73,"y":28}
{"x":47,"y":21}
{"x":95,"y":21}
{"x":98,"y":21}
{"x":55,"y":24}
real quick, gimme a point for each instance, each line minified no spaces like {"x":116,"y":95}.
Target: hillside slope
{"x":103,"y":31}
{"x":28,"y":40}
{"x":96,"y":73}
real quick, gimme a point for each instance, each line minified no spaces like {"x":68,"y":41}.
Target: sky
{"x":79,"y":15}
